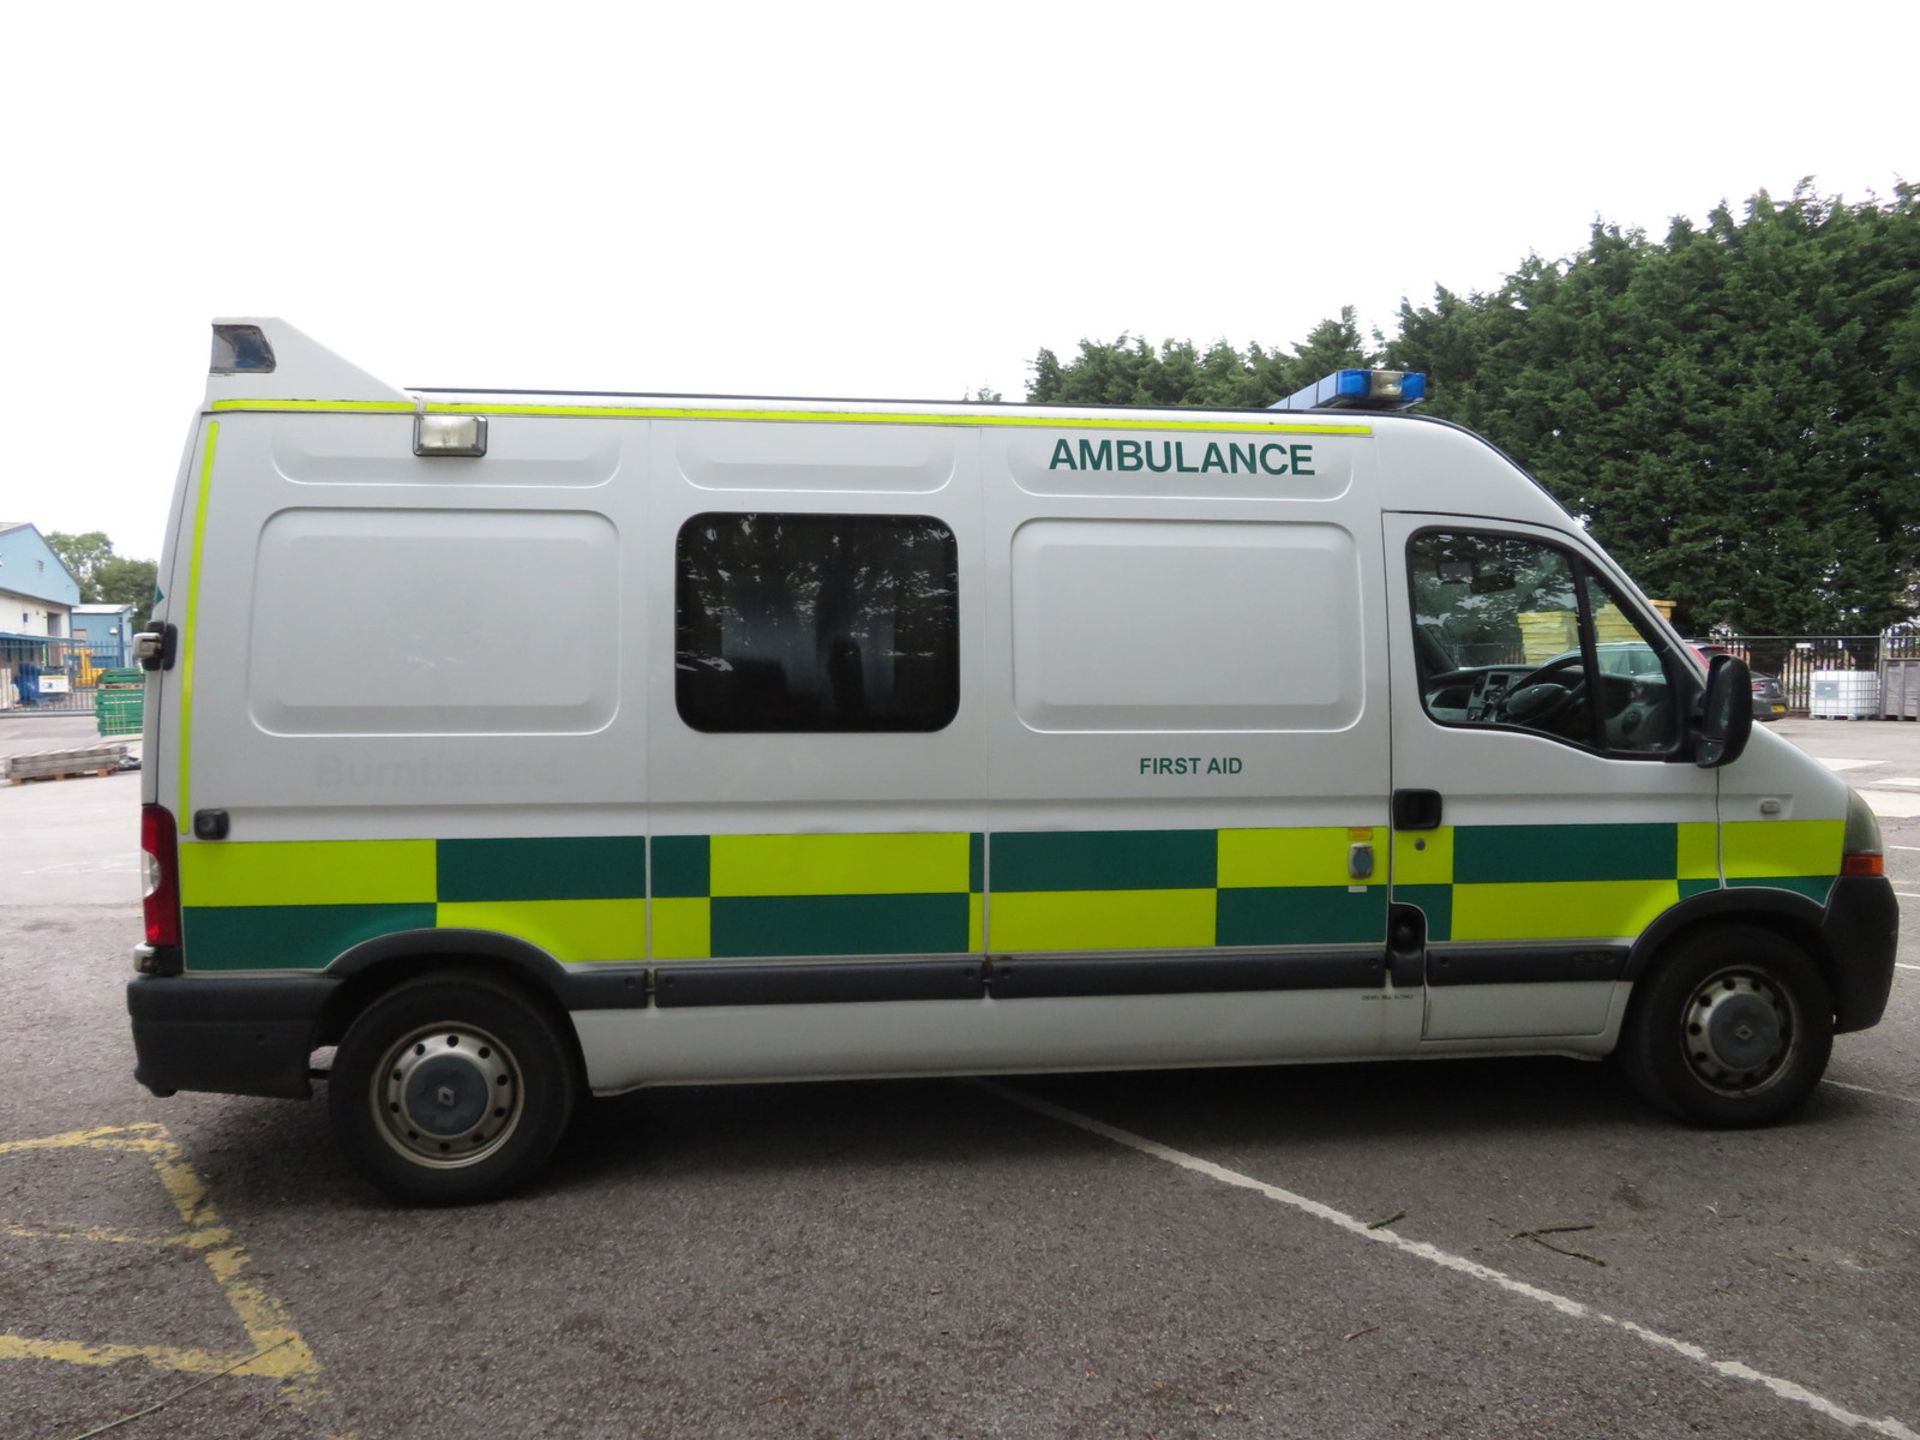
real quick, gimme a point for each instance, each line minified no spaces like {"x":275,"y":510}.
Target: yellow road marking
{"x":75,"y":1138}
{"x":91,"y":1234}
{"x":275,"y":1349}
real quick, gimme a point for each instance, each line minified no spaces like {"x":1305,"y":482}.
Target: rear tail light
{"x":1861,"y":851}
{"x":160,"y":865}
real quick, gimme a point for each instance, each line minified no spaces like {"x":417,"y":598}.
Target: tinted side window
{"x":1640,"y":711}
{"x":816,"y":623}
{"x":1513,"y":633}
{"x":1497,"y":635}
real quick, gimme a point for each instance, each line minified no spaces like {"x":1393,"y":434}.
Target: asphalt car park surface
{"x":1163,"y":1254}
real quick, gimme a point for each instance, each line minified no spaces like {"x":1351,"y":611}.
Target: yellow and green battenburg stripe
{"x":1182,"y":889}
{"x":1798,"y":855}
{"x":301,"y":904}
{"x":1579,"y":882}
{"x":749,"y":895}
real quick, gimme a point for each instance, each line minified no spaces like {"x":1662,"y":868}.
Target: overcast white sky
{"x":817,"y":199}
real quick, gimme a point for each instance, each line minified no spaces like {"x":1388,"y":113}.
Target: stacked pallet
{"x":60,"y":764}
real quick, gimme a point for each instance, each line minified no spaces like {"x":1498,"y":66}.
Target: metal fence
{"x":1892,"y":657}
{"x":50,"y":676}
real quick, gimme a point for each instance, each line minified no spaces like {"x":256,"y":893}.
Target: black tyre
{"x":1733,"y":1027}
{"x":451,"y":1088}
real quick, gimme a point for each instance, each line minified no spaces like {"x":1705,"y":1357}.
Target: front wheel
{"x":450,"y":1088}
{"x":1734,"y":1028}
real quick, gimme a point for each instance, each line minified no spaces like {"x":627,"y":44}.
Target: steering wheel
{"x":1537,"y":698}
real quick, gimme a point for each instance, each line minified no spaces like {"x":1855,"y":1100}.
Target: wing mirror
{"x":1725,"y":718}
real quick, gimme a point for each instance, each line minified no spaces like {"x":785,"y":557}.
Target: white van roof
{"x":279,"y":362}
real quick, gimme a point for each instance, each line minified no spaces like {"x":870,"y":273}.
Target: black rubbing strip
{"x":1523,"y":965}
{"x":817,"y":983}
{"x":1033,"y":977}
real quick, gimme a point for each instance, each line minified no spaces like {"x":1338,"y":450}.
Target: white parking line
{"x":1867,"y":1090}
{"x":1903,"y":847}
{"x":1434,"y":1255}
{"x":1892,"y":804}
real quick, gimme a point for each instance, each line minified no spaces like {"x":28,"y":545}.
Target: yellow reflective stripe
{"x":308,"y":872}
{"x":194,"y":551}
{"x":1423,"y":857}
{"x":682,"y":929}
{"x":1102,"y":919}
{"x":1768,"y":849}
{"x":568,"y":930}
{"x":374,"y":407}
{"x":904,"y":864}
{"x":1582,"y":910}
{"x":1699,"y":850}
{"x":1307,"y":855}
{"x":807,"y":417}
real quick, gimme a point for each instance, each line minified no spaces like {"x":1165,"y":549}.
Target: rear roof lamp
{"x":240,"y":350}
{"x":1359,"y":390}
{"x":450,"y":435}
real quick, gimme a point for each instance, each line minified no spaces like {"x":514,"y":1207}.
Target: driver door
{"x":1543,"y":814}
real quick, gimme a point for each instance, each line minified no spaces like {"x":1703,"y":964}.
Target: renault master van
{"x":516,"y":747}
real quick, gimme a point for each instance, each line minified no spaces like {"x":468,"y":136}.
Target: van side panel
{"x":412,"y":690}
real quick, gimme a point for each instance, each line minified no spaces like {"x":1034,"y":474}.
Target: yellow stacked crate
{"x":1547,"y":633}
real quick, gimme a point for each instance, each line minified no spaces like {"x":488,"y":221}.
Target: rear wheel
{"x":1733,"y":1028}
{"x":450,"y":1088}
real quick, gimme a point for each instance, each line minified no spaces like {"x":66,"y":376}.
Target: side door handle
{"x":1416,"y":809}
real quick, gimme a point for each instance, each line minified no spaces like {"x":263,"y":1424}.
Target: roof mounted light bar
{"x":1359,"y":390}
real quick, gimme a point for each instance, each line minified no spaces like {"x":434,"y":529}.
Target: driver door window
{"x":1513,"y":633}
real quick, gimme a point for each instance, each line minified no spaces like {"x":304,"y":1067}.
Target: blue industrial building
{"x":105,"y":630}
{"x":37,"y":596}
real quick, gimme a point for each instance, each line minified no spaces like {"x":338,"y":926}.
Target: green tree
{"x":82,"y":554}
{"x":121,"y":580}
{"x":1731,"y":408}
{"x":104,"y":576}
{"x":1129,"y":371}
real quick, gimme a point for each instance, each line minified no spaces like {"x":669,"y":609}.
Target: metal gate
{"x":46,"y":675}
{"x":1893,"y":657}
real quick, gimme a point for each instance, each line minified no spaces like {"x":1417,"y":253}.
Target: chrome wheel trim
{"x":447,"y":1096}
{"x":1740,"y":1031}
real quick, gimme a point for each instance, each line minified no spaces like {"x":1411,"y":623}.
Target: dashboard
{"x":1636,"y":709}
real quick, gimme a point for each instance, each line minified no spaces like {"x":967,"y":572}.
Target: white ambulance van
{"x":522,"y":746}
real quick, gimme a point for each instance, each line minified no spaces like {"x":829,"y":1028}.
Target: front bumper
{"x":1861,"y":932}
{"x":229,"y":1034}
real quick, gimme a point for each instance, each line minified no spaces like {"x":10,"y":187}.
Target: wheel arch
{"x":375,"y":967}
{"x":1788,"y":912}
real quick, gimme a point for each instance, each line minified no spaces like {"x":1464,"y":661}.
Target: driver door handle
{"x":1416,"y":809}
